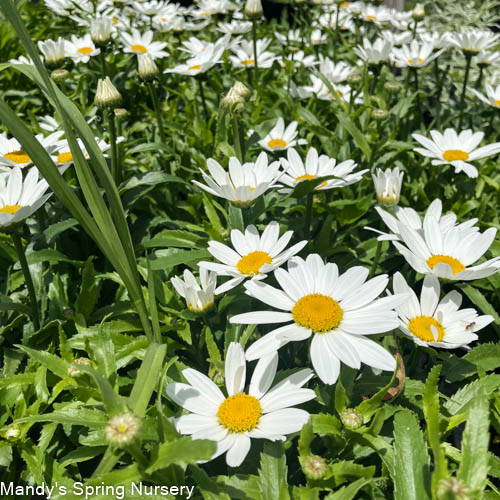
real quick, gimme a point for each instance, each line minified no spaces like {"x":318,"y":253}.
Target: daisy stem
{"x":237,"y":138}
{"x":18,"y":244}
{"x":254,"y":38}
{"x":468,"y":59}
{"x":156,"y":105}
{"x":309,"y":209}
{"x":480,"y":77}
{"x":115,"y":170}
{"x":376,"y":259}
{"x":335,"y":43}
{"x":203,"y":101}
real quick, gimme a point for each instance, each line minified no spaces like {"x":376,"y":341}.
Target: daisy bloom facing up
{"x":254,"y":256}
{"x":281,"y":138}
{"x":318,"y":166}
{"x":474,"y":41}
{"x":199,"y":299}
{"x":337,"y":311}
{"x":245,"y":58}
{"x":201,"y":63}
{"x":19,"y":199}
{"x":434,"y":322}
{"x":492,"y":97}
{"x":81,"y":49}
{"x":388,"y":185}
{"x":455,"y":149}
{"x":415,"y":55}
{"x":243,"y":184}
{"x":374,"y":53}
{"x":53,"y":51}
{"x":137,"y":43}
{"x":260,"y":413}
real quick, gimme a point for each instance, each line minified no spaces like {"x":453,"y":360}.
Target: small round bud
{"x":13,"y":432}
{"x":418,"y":12}
{"x":351,"y":418}
{"x":233,"y":100}
{"x":253,"y":8}
{"x":147,"y":67}
{"x":314,"y":467}
{"x":100,"y":30}
{"x":74,"y":371}
{"x":107,"y":96}
{"x":453,"y":489}
{"x":293,"y":49}
{"x":59,"y":75}
{"x":123,"y":429}
{"x":241,"y":89}
{"x":380,"y":114}
{"x":218,"y":377}
{"x":393,"y":87}
{"x":120,"y":113}
{"x":354,"y":80}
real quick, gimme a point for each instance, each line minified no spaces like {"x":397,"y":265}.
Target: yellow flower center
{"x":455,"y":264}
{"x":344,"y":4}
{"x":371,"y":18}
{"x":426,"y":328}
{"x":10,"y":209}
{"x":196,"y":66}
{"x":18,"y":157}
{"x":308,"y":177}
{"x":114,"y":19}
{"x":252,"y":262}
{"x":85,"y":50}
{"x":139,"y":48}
{"x":455,"y":154}
{"x":64,"y":157}
{"x":246,"y":62}
{"x":122,"y":428}
{"x":277,"y":143}
{"x":419,"y":60}
{"x":318,"y":312}
{"x":239,"y":413}
{"x":497,"y":103}
{"x":198,"y":310}
{"x":205,"y":14}
{"x":163,"y":19}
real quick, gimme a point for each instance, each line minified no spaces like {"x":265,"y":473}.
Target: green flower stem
{"x":237,"y":137}
{"x":309,"y":210}
{"x":480,"y":77}
{"x":254,"y":38}
{"x":415,"y":77}
{"x":438,"y":95}
{"x":202,"y":95}
{"x":336,"y":39}
{"x":468,"y":59}
{"x":376,"y":259}
{"x":115,"y":166}
{"x":157,"y":108}
{"x":18,"y":244}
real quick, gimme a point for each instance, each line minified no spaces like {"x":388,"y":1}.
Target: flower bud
{"x":147,"y":67}
{"x":218,"y":378}
{"x":393,"y":87}
{"x":13,"y":432}
{"x":351,"y":418}
{"x":73,"y":370}
{"x":314,"y":467}
{"x":233,"y":99}
{"x":53,"y":52}
{"x":253,"y":8}
{"x":100,"y":30}
{"x":418,"y":12}
{"x":380,"y":114}
{"x":59,"y":75}
{"x":453,"y":489}
{"x":354,"y":80}
{"x":120,"y":113}
{"x":241,"y":89}
{"x":107,"y":96}
{"x":123,"y":429}
{"x":388,"y":185}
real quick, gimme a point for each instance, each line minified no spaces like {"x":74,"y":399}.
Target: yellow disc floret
{"x":64,"y":157}
{"x":421,"y":328}
{"x":455,"y":155}
{"x":195,"y":67}
{"x":455,"y":264}
{"x":252,"y":262}
{"x":139,"y":48}
{"x":10,"y":209}
{"x":318,"y":312}
{"x":277,"y":143}
{"x":239,"y":413}
{"x":85,"y":50}
{"x":18,"y":157}
{"x":247,"y":62}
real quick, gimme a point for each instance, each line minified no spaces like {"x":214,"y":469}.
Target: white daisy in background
{"x":49,"y":124}
{"x":488,"y":58}
{"x":19,"y":199}
{"x":12,"y":154}
{"x":53,"y":50}
{"x":299,"y":59}
{"x":323,"y":92}
{"x":388,"y":185}
{"x":234,"y":27}
{"x":137,"y":43}
{"x":447,"y":254}
{"x":196,"y":47}
{"x":293,"y":36}
{"x":492,"y":97}
{"x":201,"y":63}
{"x":254,"y":256}
{"x":455,"y":149}
{"x":434,"y":322}
{"x":151,"y":8}
{"x":260,"y":413}
{"x":474,"y":41}
{"x":328,"y":20}
{"x":337,"y":311}
{"x":22,"y":60}
{"x":436,"y":39}
{"x":199,"y":296}
{"x":317,"y":166}
{"x":281,"y":138}
{"x":243,"y":184}
{"x":375,"y":53}
{"x":377,"y":15}
{"x":244,"y":56}
{"x":81,"y":49}
{"x":63,"y":157}
{"x":318,"y":37}
{"x":397,"y":39}
{"x":415,"y":55}
{"x":334,"y":72}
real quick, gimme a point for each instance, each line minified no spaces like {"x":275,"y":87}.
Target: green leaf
{"x":324,"y":424}
{"x":272,"y":472}
{"x":356,"y":134}
{"x":236,"y":218}
{"x":349,"y":492}
{"x":463,"y":398}
{"x":175,"y":238}
{"x":411,"y":461}
{"x":305,"y":440}
{"x":87,"y":297}
{"x":52,"y":362}
{"x":174,"y":257}
{"x":86,"y":417}
{"x":209,"y":488}
{"x":485,"y":356}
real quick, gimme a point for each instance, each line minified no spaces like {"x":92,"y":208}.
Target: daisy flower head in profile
{"x":196,"y":47}
{"x":281,"y":138}
{"x":434,"y":322}
{"x":374,"y":53}
{"x":200,"y":63}
{"x":388,"y":185}
{"x":81,"y":49}
{"x":253,"y":256}
{"x":199,"y":296}
{"x":234,"y":420}
{"x":492,"y":97}
{"x":377,"y":15}
{"x":317,"y":166}
{"x":337,"y":311}
{"x":235,"y":27}
{"x":142,"y":43}
{"x":473,"y":41}
{"x":457,"y":149}
{"x":20,"y":198}
{"x":243,"y":183}
{"x":414,"y":55}
{"x":244,"y":56}
{"x":54,"y":51}
{"x":487,"y":58}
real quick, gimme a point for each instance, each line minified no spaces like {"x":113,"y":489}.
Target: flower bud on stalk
{"x":453,"y":489}
{"x":388,"y":185}
{"x":100,"y":30}
{"x":123,"y":429}
{"x":148,"y":70}
{"x":233,"y":100}
{"x":74,"y":371}
{"x":241,"y":89}
{"x":107,"y":96}
{"x":393,"y":87}
{"x":351,"y":418}
{"x":354,"y":80}
{"x":314,"y":467}
{"x":59,"y":75}
{"x":380,"y":114}
{"x":418,"y":12}
{"x":253,"y":8}
{"x":13,"y":432}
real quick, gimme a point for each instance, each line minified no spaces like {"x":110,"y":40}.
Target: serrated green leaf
{"x":272,"y":472}
{"x":462,"y":399}
{"x":486,"y":356}
{"x":349,"y":492}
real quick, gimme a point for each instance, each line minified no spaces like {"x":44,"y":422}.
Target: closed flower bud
{"x":73,"y":370}
{"x":453,"y":489}
{"x":354,"y":80}
{"x":393,"y":87}
{"x":107,"y":96}
{"x":233,"y":99}
{"x":12,"y":432}
{"x":100,"y":30}
{"x":351,"y":418}
{"x":59,"y":75}
{"x":120,"y":113}
{"x":253,"y":8}
{"x":380,"y":114}
{"x":123,"y":429}
{"x":241,"y":89}
{"x":147,"y":67}
{"x":314,"y":467}
{"x":388,"y":185}
{"x":418,"y":12}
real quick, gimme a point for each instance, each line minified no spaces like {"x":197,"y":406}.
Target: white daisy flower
{"x":334,"y":72}
{"x":436,"y":39}
{"x":318,"y":37}
{"x":377,"y":15}
{"x":255,"y":255}
{"x":337,"y":311}
{"x":243,"y":184}
{"x":299,"y":59}
{"x":328,"y":20}
{"x":245,"y":58}
{"x":199,"y":64}
{"x":318,"y":166}
{"x":488,"y":58}
{"x":150,"y":8}
{"x":492,"y":97}
{"x":19,"y":199}
{"x":261,"y":413}
{"x":415,"y":55}
{"x":293,"y":36}
{"x":434,"y":322}
{"x":374,"y":53}
{"x":12,"y":154}
{"x":22,"y":60}
{"x":455,"y":149}
{"x":137,"y":43}
{"x":281,"y":138}
{"x":196,"y":47}
{"x":235,"y":27}
{"x":53,"y":50}
{"x":198,"y":298}
{"x":63,"y":157}
{"x":397,"y":39}
{"x":50,"y":124}
{"x":473,"y":41}
{"x":388,"y":185}
{"x":447,"y":254}
{"x":81,"y":49}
